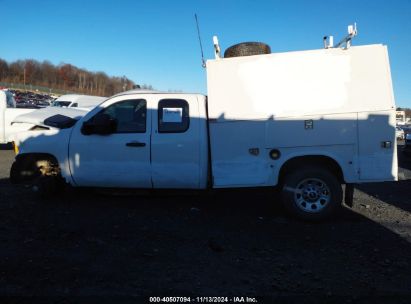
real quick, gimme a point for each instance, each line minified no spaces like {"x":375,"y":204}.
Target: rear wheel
{"x":311,"y":193}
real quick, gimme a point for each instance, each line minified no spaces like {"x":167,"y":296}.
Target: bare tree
{"x":64,"y":76}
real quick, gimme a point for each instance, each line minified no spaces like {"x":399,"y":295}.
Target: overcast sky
{"x":155,"y":42}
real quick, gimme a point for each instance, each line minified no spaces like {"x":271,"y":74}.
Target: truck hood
{"x":38,"y":117}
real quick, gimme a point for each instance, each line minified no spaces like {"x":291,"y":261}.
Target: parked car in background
{"x":78,"y":101}
{"x":19,"y":116}
{"x":32,"y":100}
{"x":399,"y":133}
{"x":9,"y":111}
{"x":10,"y":101}
{"x":407,"y":146}
{"x":406,"y":129}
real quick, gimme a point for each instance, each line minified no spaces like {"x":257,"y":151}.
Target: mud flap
{"x":349,"y":195}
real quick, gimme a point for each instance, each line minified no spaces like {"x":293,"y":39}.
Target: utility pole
{"x":24,"y":77}
{"x":124,"y":82}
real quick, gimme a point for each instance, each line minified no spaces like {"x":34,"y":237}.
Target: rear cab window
{"x":61,"y":103}
{"x":173,"y":116}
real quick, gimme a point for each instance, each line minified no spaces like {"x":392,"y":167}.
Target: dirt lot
{"x":233,"y":243}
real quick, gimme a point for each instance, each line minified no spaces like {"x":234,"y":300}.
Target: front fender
{"x":53,"y":142}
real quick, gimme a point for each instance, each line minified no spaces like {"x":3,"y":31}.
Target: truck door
{"x":175,"y":145}
{"x":120,"y":159}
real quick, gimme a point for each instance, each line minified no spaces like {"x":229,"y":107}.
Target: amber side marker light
{"x":16,"y":148}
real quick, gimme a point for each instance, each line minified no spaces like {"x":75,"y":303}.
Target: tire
{"x":23,"y":170}
{"x":49,"y":183}
{"x":318,"y":196}
{"x":247,"y":49}
{"x":15,"y":173}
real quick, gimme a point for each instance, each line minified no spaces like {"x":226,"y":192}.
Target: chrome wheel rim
{"x":312,"y":195}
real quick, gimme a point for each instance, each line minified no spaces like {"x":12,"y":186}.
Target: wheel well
{"x":37,"y":156}
{"x":316,"y":160}
{"x":46,"y":163}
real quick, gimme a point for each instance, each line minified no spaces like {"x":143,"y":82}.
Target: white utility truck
{"x":306,"y":121}
{"x":8,"y":112}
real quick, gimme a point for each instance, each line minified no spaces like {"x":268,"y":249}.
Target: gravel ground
{"x":229,"y":243}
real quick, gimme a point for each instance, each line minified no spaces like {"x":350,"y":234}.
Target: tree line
{"x":63,"y":77}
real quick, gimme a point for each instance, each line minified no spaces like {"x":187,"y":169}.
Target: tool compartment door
{"x":377,"y":146}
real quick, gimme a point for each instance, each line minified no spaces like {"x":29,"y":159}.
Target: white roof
{"x":300,"y":83}
{"x":139,"y":91}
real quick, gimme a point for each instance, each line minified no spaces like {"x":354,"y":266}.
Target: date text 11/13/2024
{"x":203,"y":300}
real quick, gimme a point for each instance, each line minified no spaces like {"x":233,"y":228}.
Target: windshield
{"x":61,"y":103}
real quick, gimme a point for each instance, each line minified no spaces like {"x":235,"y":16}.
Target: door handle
{"x":135,"y":144}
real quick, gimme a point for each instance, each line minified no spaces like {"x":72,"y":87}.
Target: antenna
{"x":201,"y":45}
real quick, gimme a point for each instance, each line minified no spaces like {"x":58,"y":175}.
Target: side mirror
{"x":101,"y":124}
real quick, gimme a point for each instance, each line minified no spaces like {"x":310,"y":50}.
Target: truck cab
{"x":133,"y":140}
{"x":157,"y":142}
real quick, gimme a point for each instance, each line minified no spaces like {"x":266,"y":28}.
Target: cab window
{"x":173,"y":116}
{"x":130,"y":115}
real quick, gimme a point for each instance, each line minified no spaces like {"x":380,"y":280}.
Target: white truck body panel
{"x":300,"y":83}
{"x":377,"y":164}
{"x":263,"y":102}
